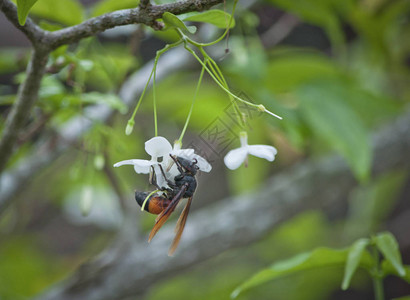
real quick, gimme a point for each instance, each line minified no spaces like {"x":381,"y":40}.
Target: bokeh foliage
{"x":331,"y":94}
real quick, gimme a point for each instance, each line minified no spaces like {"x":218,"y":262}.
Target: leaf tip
{"x":235,"y":293}
{"x":345,"y":285}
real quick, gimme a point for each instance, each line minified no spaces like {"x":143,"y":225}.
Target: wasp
{"x":164,"y":203}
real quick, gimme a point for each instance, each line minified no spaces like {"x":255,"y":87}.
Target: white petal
{"x":173,"y":171}
{"x":158,"y":146}
{"x":140,"y":165}
{"x":160,"y":178}
{"x":143,"y":166}
{"x":203,"y":164}
{"x":185,"y":153}
{"x":235,"y":157}
{"x":124,"y":162}
{"x":189,"y":154}
{"x":263,"y":151}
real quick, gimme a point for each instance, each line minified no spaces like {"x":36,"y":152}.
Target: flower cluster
{"x":160,"y":150}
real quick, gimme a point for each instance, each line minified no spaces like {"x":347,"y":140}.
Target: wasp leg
{"x":178,"y":164}
{"x":153,"y":181}
{"x":170,"y":183}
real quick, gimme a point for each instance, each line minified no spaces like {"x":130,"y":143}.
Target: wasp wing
{"x":163,"y":217}
{"x":180,"y":227}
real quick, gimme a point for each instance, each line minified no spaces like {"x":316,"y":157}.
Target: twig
{"x":148,"y":16}
{"x":26,"y":97}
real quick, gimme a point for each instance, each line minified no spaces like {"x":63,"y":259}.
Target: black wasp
{"x":164,"y":203}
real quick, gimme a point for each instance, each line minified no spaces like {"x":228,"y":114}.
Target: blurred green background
{"x":336,"y":71}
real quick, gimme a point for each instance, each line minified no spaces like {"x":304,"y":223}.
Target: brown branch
{"x":124,"y":271}
{"x":20,"y":112}
{"x":148,"y":16}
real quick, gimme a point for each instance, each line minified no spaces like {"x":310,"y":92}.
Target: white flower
{"x":236,"y":157}
{"x":156,"y":147}
{"x":189,"y":154}
{"x":159,"y":147}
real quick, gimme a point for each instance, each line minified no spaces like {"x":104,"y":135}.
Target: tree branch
{"x":123,"y":271}
{"x":26,"y":97}
{"x":144,"y":14}
{"x":147,"y":16}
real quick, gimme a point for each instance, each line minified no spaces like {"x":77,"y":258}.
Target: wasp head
{"x":189,"y":165}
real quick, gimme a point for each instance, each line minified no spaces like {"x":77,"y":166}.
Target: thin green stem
{"x":192,"y":104}
{"x":154,"y":96}
{"x":259,"y":107}
{"x":216,"y":80}
{"x":377,"y":276}
{"x":196,"y":44}
{"x":159,"y":53}
{"x":218,"y":73}
{"x":211,"y":67}
{"x":146,"y":199}
{"x":142,"y":96}
{"x":215,"y":65}
{"x":378,"y":288}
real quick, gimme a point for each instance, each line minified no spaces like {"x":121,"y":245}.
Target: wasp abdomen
{"x":154,"y":205}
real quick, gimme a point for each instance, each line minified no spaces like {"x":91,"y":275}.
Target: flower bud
{"x":130,"y":127}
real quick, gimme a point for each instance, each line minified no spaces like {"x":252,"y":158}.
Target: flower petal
{"x":263,"y":151}
{"x":161,"y":181}
{"x":235,"y":157}
{"x":202,"y":164}
{"x":158,"y":146}
{"x":185,"y":153}
{"x":189,"y":154}
{"x":140,"y":165}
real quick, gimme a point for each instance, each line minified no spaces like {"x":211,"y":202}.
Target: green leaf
{"x":66,"y":12}
{"x":172,"y":21}
{"x":353,"y":259}
{"x":216,"y":17}
{"x":106,"y":6}
{"x":50,"y":26}
{"x":290,"y":69}
{"x":331,"y":119}
{"x":402,"y":298}
{"x":389,"y":247}
{"x":318,"y":258}
{"x":23,"y":7}
{"x":389,"y":269}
